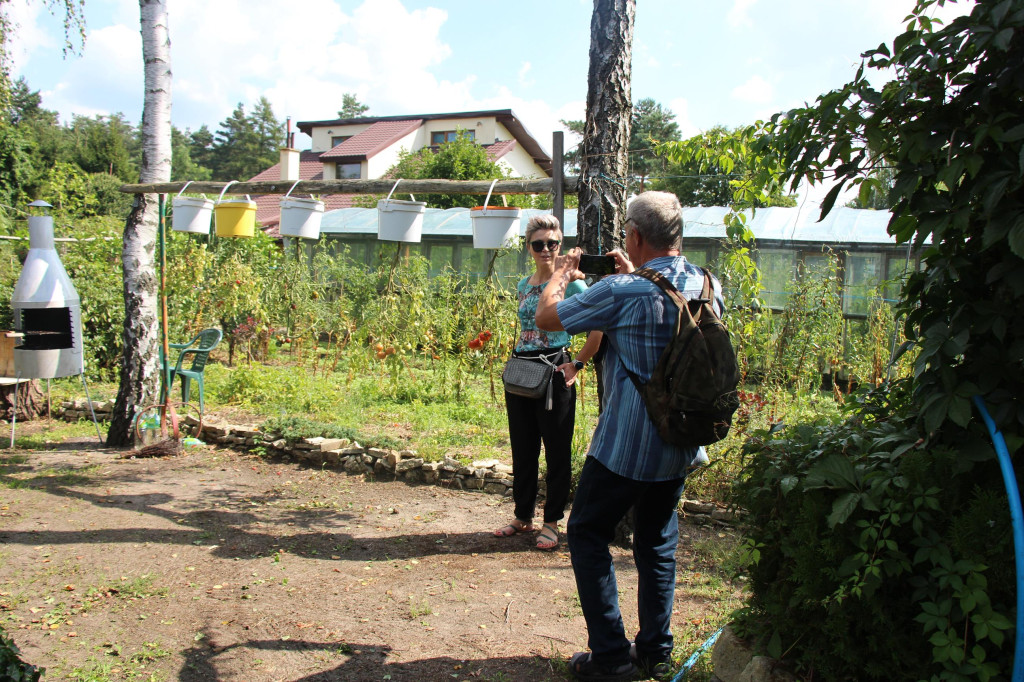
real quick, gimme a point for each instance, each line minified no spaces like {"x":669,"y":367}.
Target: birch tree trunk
{"x":140,"y":371}
{"x":605,"y":146}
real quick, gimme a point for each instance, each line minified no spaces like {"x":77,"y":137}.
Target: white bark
{"x":140,"y":370}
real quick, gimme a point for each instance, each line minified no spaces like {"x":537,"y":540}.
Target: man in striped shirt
{"x":628,"y":465}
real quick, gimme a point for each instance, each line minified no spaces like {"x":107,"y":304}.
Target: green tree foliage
{"x":183,"y":166}
{"x":890,"y":532}
{"x":245,"y":144}
{"x":716,"y":168}
{"x":200,"y":146}
{"x":460,"y":159}
{"x":105,"y":144}
{"x":651,"y":124}
{"x":351,"y":107}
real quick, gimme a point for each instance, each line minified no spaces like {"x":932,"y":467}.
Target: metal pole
{"x":91,"y":410}
{"x":14,"y":416}
{"x":165,"y":380}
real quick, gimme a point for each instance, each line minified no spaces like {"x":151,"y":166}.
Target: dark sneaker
{"x":660,"y":669}
{"x":583,"y":667}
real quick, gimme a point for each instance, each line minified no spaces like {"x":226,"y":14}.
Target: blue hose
{"x":1017,"y":517}
{"x":681,"y":675}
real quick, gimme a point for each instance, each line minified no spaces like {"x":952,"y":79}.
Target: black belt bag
{"x":531,"y":376}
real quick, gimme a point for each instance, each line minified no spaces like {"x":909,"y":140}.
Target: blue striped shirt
{"x":638,"y":321}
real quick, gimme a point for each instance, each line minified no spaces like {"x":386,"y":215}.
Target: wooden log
{"x":31,"y":401}
{"x":381,"y":186}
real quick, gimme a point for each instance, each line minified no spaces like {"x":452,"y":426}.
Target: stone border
{"x":488,"y":475}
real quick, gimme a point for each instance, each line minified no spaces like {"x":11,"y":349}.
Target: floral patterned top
{"x":531,"y":338}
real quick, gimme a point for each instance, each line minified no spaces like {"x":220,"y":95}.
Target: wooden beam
{"x":558,"y":178}
{"x":521,"y":186}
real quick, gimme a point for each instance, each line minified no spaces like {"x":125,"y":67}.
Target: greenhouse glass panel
{"x":440,"y":257}
{"x":473,"y":262}
{"x":863,"y":275}
{"x":778,"y":267}
{"x":508,"y":263}
{"x":695,"y":256}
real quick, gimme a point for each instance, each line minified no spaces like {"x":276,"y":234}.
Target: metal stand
{"x":91,"y":410}
{"x":14,"y":417}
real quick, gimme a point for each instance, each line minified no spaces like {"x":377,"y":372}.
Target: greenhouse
{"x":790,"y":242}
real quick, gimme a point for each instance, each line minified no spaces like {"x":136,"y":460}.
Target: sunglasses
{"x":539,"y":245}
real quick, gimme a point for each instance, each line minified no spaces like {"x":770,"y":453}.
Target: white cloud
{"x":28,"y":38}
{"x":755,"y":90}
{"x":106,"y":79}
{"x":739,"y":16}
{"x":680,"y":106}
{"x":524,"y":71}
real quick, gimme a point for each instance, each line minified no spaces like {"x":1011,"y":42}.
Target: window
{"x":778,"y":266}
{"x":338,"y":139}
{"x":863,"y":275}
{"x":348,"y":171}
{"x":442,"y":136}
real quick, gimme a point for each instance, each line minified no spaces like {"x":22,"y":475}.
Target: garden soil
{"x":222,"y":565}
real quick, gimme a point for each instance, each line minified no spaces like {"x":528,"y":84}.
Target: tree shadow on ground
{"x":225,"y":524}
{"x":370,"y":662}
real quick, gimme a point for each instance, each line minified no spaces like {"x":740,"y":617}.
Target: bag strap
{"x":694,"y":305}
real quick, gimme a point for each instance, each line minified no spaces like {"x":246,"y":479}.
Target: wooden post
{"x":558,"y":177}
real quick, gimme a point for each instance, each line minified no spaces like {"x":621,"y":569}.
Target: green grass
{"x":54,"y":433}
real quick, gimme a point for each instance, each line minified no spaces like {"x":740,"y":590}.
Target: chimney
{"x":289,"y":155}
{"x":289,"y":164}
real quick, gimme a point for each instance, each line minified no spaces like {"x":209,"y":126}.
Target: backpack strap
{"x":694,"y":305}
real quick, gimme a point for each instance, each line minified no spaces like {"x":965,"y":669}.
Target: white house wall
{"x":522,"y":164}
{"x":386,"y":158}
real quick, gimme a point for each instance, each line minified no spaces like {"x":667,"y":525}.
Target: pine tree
{"x":351,"y":107}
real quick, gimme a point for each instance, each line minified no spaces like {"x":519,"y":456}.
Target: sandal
{"x":548,"y":538}
{"x":583,"y":667}
{"x":514,"y":528}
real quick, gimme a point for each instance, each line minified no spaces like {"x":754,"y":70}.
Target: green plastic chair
{"x":198,"y":349}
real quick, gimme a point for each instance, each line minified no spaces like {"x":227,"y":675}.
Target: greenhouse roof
{"x":797,"y":224}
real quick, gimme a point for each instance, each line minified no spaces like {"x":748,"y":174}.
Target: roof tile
{"x":377,"y":137}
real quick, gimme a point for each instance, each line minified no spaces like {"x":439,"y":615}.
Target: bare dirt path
{"x":219,"y":565}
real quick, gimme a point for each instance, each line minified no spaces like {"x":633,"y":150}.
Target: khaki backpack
{"x":691,"y":395}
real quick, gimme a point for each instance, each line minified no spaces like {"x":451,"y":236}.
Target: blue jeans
{"x":602,"y":499}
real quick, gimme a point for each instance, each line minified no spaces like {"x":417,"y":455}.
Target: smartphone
{"x":597,"y":265}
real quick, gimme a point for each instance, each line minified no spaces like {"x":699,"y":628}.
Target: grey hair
{"x":542,"y":222}
{"x":659,"y":218}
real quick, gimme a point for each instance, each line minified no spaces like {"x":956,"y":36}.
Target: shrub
{"x":12,"y":668}
{"x":878,"y":552}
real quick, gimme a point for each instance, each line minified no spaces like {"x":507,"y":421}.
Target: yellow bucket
{"x":235,"y":218}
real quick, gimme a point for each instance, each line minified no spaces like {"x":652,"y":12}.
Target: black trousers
{"x":529,"y":424}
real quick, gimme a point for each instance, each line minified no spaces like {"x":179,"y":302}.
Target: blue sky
{"x":711,"y":62}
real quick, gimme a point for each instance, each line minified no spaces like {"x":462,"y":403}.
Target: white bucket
{"x":301,"y":218}
{"x":191,"y":215}
{"x":494,"y":227}
{"x":400,"y":221}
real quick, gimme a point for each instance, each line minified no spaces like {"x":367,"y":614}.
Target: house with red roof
{"x":367,"y":146}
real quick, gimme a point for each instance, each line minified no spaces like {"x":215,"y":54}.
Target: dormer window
{"x":348,"y":171}
{"x":442,"y":136}
{"x":338,"y":139}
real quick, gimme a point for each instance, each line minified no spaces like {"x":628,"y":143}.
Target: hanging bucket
{"x":190,"y":214}
{"x":235,"y":217}
{"x":301,"y":217}
{"x":400,"y":221}
{"x":494,"y":227}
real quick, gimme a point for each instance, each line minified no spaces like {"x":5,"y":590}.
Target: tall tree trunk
{"x":140,"y":371}
{"x":604,"y":150}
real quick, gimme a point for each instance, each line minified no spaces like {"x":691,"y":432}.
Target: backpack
{"x":691,"y":395}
